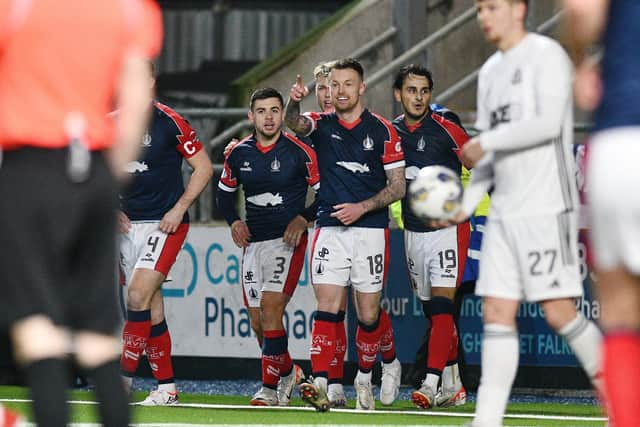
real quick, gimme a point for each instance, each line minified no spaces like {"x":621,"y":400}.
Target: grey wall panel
{"x":249,"y":35}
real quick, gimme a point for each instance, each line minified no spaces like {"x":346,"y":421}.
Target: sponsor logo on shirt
{"x":336,"y":136}
{"x":265,"y":199}
{"x":246,"y":167}
{"x":501,"y":114}
{"x":354,"y":167}
{"x":136,"y":167}
{"x":421,"y":144}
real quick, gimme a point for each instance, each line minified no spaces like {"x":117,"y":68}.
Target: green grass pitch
{"x":215,"y":410}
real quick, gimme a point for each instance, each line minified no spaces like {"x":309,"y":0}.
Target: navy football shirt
{"x":353,"y":158}
{"x":274,"y":180}
{"x":157,"y":183}
{"x":620,"y":104}
{"x":433,"y":141}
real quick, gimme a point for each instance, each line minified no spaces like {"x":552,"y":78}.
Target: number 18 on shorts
{"x":350,"y":255}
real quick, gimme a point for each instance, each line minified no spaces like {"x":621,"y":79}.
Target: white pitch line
{"x":235,"y":425}
{"x":349,"y":411}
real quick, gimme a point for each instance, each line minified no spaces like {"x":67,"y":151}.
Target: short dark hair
{"x":418,"y":70}
{"x":265,"y":93}
{"x":349,"y":63}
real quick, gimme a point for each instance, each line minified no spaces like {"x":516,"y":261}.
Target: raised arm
{"x":295,"y":121}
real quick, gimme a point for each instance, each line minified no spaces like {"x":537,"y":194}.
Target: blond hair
{"x":323,"y":69}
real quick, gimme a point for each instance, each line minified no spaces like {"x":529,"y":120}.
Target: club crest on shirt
{"x":421,"y":144}
{"x":275,"y":165}
{"x":146,"y":140}
{"x":517,"y":77}
{"x":367,"y":144}
{"x":246,"y":167}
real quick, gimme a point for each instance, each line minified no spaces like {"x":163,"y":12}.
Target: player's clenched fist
{"x":298,"y":90}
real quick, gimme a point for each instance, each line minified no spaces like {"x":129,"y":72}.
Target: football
{"x":436,"y":193}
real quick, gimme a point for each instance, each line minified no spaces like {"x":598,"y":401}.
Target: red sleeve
{"x":145,"y":26}
{"x":228,"y":181}
{"x":314,"y":117}
{"x":311,"y":161}
{"x":188,"y":142}
{"x":393,"y":156}
{"x":457,"y":134}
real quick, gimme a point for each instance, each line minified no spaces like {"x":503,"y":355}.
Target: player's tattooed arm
{"x":292,"y":118}
{"x":348,"y":213}
{"x":295,"y":121}
{"x":395,"y":189}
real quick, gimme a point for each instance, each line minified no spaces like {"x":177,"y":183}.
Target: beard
{"x":268,"y":134}
{"x":415,"y":117}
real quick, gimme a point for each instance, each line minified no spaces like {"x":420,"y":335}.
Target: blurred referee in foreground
{"x":63,"y":67}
